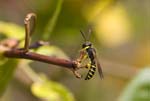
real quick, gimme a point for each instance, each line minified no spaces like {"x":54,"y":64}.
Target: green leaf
{"x":51,"y":91}
{"x":139,"y":88}
{"x":11,"y":30}
{"x":52,"y":51}
{"x":7,"y":68}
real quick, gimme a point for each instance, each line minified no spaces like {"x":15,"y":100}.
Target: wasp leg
{"x":82,"y":56}
{"x":75,"y":72}
{"x":80,"y":66}
{"x":88,"y":66}
{"x":79,"y":60}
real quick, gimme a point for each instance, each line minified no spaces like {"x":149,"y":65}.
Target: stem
{"x":38,"y":57}
{"x":52,"y":22}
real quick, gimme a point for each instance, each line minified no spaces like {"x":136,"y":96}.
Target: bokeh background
{"x":120,"y":34}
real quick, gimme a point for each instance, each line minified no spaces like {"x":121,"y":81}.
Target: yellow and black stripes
{"x":91,"y":72}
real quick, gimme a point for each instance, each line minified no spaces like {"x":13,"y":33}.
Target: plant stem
{"x":38,"y":57}
{"x":52,"y":22}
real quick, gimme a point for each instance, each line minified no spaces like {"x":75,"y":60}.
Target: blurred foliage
{"x":51,"y":91}
{"x":139,"y":88}
{"x":52,"y":51}
{"x":11,"y":30}
{"x":52,"y":21}
{"x":6,"y":73}
{"x":7,"y":66}
{"x":120,"y":30}
{"x":113,"y":23}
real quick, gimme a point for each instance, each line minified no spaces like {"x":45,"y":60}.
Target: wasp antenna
{"x":89,"y":33}
{"x":83,"y":34}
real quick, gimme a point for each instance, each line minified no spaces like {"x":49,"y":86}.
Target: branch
{"x":15,"y":53}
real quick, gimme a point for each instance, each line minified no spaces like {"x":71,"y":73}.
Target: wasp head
{"x":86,"y":44}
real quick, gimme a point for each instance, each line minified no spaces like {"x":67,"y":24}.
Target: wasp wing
{"x":99,"y":69}
{"x":99,"y":66}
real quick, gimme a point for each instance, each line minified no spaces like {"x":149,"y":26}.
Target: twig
{"x":15,"y":53}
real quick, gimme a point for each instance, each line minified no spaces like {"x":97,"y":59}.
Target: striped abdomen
{"x":91,"y":72}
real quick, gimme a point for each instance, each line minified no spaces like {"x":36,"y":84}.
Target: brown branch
{"x":38,"y":57}
{"x":21,"y":53}
{"x":24,"y":53}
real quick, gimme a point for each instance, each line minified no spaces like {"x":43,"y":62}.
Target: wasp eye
{"x":83,"y":45}
{"x":86,"y":44}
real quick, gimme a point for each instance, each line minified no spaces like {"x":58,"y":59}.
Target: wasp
{"x":89,"y":52}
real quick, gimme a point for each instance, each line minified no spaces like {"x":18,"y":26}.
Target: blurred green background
{"x":120,"y":34}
